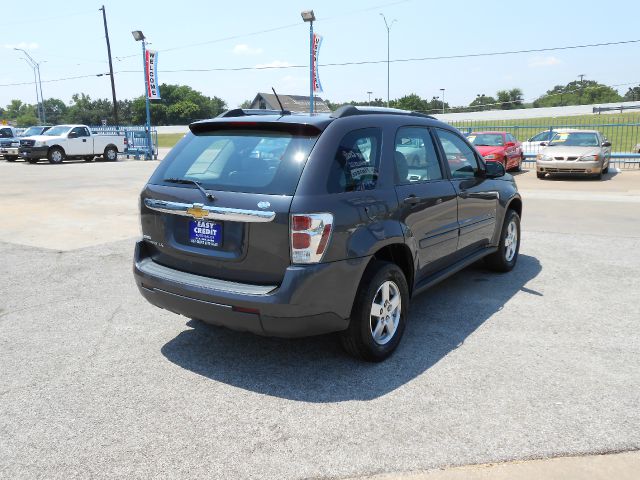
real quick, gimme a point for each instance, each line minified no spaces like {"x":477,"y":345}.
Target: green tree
{"x":509,"y":99}
{"x":483,"y":102}
{"x":246,"y":104}
{"x":578,"y":93}
{"x":55,"y":110}
{"x":411,"y":102}
{"x":632,"y":94}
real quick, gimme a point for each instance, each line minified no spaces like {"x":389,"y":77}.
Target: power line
{"x":351,"y":63}
{"x":397,"y":60}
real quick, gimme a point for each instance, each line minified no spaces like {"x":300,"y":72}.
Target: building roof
{"x":293,"y":103}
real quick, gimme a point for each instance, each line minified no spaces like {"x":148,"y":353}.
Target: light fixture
{"x":137,"y":35}
{"x":308,"y":16}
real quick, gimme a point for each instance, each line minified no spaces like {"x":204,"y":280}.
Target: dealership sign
{"x":151,"y":67}
{"x":317,"y":41}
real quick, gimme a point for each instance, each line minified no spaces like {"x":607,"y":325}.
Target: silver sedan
{"x":583,"y":152}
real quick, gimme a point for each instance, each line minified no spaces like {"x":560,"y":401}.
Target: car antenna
{"x":284,"y":112}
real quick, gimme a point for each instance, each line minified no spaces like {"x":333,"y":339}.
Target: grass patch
{"x":168,"y":140}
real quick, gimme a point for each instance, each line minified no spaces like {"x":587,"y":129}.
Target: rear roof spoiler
{"x":243,"y":112}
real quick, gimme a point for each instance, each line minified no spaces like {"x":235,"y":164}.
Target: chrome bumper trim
{"x":213,"y":213}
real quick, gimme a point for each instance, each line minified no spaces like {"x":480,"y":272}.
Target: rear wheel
{"x":111,"y":154}
{"x":379,"y":313}
{"x":55,"y":155}
{"x":11,"y":159}
{"x":505,"y":258}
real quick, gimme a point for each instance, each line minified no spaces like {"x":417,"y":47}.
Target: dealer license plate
{"x":205,"y":233}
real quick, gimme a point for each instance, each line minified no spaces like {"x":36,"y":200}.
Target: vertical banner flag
{"x":152,"y":75}
{"x":317,"y":41}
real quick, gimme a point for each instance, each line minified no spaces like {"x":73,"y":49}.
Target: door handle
{"x":411,"y":200}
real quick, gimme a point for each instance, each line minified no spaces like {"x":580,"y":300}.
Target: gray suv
{"x":294,"y":225}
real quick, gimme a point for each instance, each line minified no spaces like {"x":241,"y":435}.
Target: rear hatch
{"x":233,"y":222}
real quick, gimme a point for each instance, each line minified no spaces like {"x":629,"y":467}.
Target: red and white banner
{"x":317,"y":41}
{"x":151,"y":70}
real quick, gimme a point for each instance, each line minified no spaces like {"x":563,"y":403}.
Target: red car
{"x":499,"y":147}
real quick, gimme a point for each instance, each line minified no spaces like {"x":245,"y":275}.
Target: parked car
{"x":35,"y":130}
{"x":637,"y":148}
{"x":335,"y":234}
{"x":9,"y":143}
{"x":499,"y":147}
{"x":583,"y":152}
{"x":71,"y":141}
{"x":532,"y":145}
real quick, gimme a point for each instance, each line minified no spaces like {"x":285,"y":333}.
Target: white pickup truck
{"x":71,"y":141}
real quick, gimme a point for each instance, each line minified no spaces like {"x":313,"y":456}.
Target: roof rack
{"x":350,"y":110}
{"x":243,"y":112}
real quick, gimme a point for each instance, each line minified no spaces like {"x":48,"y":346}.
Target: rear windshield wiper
{"x":206,"y":193}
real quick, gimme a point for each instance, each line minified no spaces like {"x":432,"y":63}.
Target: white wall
{"x":532,"y":112}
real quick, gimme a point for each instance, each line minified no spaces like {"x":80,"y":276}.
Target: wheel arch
{"x":400,"y":254}
{"x":516,"y":205}
{"x":56,"y":146}
{"x":112,"y":145}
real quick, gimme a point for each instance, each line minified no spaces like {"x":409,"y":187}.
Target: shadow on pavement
{"x":316,"y":369}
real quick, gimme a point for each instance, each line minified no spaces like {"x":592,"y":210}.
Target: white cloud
{"x":541,"y":62}
{"x":274,"y":64}
{"x":22,"y":45}
{"x":244,"y":49}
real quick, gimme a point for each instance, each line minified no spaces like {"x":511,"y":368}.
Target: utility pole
{"x":388,"y":25}
{"x":113,"y":82}
{"x":36,"y":69}
{"x":442,"y":90}
{"x":369,"y":93}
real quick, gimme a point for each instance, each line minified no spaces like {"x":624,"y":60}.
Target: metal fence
{"x":137,"y":139}
{"x":622,"y":131}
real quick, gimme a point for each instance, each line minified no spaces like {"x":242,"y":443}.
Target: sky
{"x":68,"y":40}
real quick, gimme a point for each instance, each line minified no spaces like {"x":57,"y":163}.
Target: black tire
{"x":11,"y":159}
{"x":540,"y":175}
{"x":33,"y":161}
{"x":605,"y":170}
{"x":111,"y":154}
{"x":519,"y":167}
{"x":358,"y":340}
{"x":503,"y":260}
{"x":56,"y":155}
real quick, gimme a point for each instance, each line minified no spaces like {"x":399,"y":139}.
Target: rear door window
{"x":356,"y":162}
{"x":251,"y":161}
{"x":415,"y":156}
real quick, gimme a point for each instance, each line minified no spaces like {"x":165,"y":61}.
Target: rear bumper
{"x":311,"y":300}
{"x":34,"y":152}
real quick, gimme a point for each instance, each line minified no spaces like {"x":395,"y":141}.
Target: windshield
{"x":575,"y":139}
{"x":57,"y":131}
{"x":252,"y":161}
{"x":486,"y":139}
{"x":31,"y":131}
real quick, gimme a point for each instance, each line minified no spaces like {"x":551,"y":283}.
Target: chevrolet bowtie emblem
{"x":197,"y":211}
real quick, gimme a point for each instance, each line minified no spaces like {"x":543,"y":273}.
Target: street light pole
{"x":442,"y":90}
{"x":36,"y":69}
{"x":35,"y":83}
{"x":369,"y":93}
{"x":388,"y":26}
{"x":309,"y":16}
{"x":139,"y":37}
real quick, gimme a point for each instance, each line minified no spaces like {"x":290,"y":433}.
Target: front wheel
{"x":505,"y":258}
{"x":379,"y":313}
{"x":540,"y":175}
{"x":55,"y":155}
{"x":111,"y":154}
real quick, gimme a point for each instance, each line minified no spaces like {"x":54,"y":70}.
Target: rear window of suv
{"x":251,"y":161}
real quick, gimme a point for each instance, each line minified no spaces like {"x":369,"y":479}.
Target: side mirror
{"x":543,"y":144}
{"x":72,"y":135}
{"x":495,"y":170}
{"x":606,"y":144}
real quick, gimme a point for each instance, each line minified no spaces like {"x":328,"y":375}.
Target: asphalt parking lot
{"x":543,"y":361}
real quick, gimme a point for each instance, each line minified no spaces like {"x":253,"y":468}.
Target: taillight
{"x":310,"y":235}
